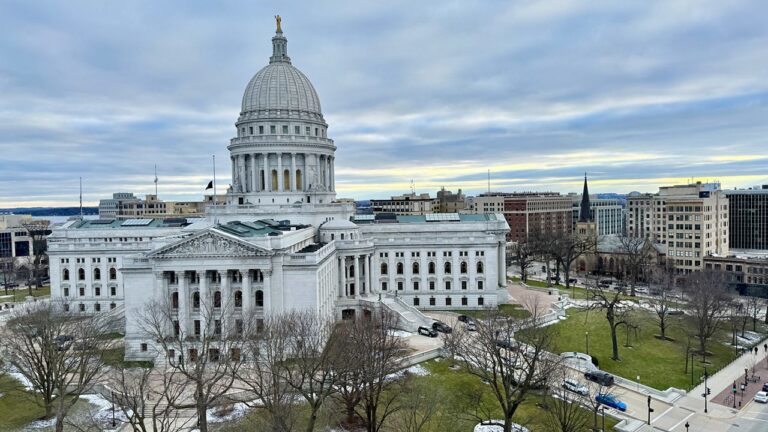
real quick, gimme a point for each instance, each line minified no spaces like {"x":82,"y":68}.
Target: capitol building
{"x":281,"y":242}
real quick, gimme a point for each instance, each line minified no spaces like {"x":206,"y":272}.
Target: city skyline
{"x":638,"y":96}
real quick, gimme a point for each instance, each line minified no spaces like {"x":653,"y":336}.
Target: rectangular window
{"x":97,"y":291}
{"x":447,"y":301}
{"x":285,"y":129}
{"x":463,"y":301}
{"x":250,"y":130}
{"x":307,"y":130}
{"x":82,"y":307}
{"x":66,"y":292}
{"x":463,"y":284}
{"x":197,"y":327}
{"x":479,"y":285}
{"x":480,"y":301}
{"x":143,"y":347}
{"x":415,"y":285}
{"x":297,"y":130}
{"x":432,"y":285}
{"x":261,"y":130}
{"x":399,"y":286}
{"x":316,"y":132}
{"x":82,"y":291}
{"x":447,"y":285}
{"x":272,"y":129}
{"x":383,"y":286}
{"x":97,"y":307}
{"x":113,"y":291}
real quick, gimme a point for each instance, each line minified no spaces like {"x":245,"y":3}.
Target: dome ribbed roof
{"x":280,"y":86}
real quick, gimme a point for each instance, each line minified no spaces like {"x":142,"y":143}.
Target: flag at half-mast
{"x":210,"y":185}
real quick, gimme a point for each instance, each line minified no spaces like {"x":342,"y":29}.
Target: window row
{"x":217,"y":299}
{"x":432,"y":284}
{"x":96,"y":291}
{"x":447,"y":268}
{"x":96,"y":307}
{"x":96,"y":274}
{"x":285,"y":130}
{"x":448,"y":301}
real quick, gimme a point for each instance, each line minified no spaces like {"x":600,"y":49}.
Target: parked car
{"x":425,"y":331}
{"x":605,"y":281}
{"x":575,"y":386}
{"x":554,"y":279}
{"x":610,"y":400}
{"x":470,"y":326}
{"x":765,"y":387}
{"x":676,"y":312}
{"x":761,"y":397}
{"x":572,"y":280}
{"x":63,"y":342}
{"x":441,"y":327}
{"x":600,"y":377}
{"x":465,"y":319}
{"x":641,"y":290}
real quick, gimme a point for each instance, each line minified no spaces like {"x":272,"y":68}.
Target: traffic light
{"x":709,"y":391}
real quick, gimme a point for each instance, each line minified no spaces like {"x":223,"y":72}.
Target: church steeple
{"x":585,"y":211}
{"x":279,"y":45}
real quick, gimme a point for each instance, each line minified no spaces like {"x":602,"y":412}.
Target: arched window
{"x":81,"y":274}
{"x":479,"y":266}
{"x":384,"y":268}
{"x":274,"y":180}
{"x":298,"y":179}
{"x":196,"y":300}
{"x":399,"y":268}
{"x":112,"y":273}
{"x":463,"y":267}
{"x":217,"y":299}
{"x":415,"y":268}
{"x":175,"y":300}
{"x":447,"y":267}
{"x":65,"y":274}
{"x":431,"y":268}
{"x":287,"y":179}
{"x":238,"y":298}
{"x":97,"y":274}
{"x":259,"y":298}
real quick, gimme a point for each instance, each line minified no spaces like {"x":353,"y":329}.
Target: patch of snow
{"x":102,"y":411}
{"x":400,"y":333}
{"x":41,"y":424}
{"x":497,"y":426}
{"x":418,"y":370}
{"x":18,"y":376}
{"x":238,"y":410}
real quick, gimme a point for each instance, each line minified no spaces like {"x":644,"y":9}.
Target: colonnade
{"x":352,"y":282}
{"x":271,"y":172}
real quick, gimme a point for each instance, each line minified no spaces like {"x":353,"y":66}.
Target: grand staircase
{"x":409,"y":318}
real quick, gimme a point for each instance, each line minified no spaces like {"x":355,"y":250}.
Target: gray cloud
{"x":538,"y":92}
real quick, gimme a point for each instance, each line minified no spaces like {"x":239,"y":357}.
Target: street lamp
{"x":686,"y":426}
{"x":113,"y":410}
{"x":586,"y":334}
{"x":706,"y":389}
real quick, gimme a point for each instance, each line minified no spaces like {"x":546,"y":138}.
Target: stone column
{"x":249,"y":300}
{"x":333,"y":174}
{"x":267,"y":176}
{"x":356,"y":260}
{"x":327,"y":166}
{"x":227,"y":301}
{"x":342,"y":290}
{"x":241,"y":170}
{"x":502,"y":265}
{"x":367,"y":265}
{"x":304,"y":173}
{"x":205,"y":303}
{"x":255,"y":169}
{"x":280,"y":185}
{"x":293,"y":173}
{"x":233,"y":167}
{"x":185,"y":298}
{"x":267,"y":291}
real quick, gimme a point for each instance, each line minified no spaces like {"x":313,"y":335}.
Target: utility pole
{"x":81,"y":198}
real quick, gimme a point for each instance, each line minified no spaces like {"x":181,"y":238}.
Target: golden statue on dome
{"x":278,"y":20}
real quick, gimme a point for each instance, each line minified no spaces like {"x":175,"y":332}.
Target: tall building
{"x":15,"y":241}
{"x":280,"y":242}
{"x":449,"y":202}
{"x":408,"y":204}
{"x":748,"y":218}
{"x":691,"y":220}
{"x":490,"y":202}
{"x":537,"y":213}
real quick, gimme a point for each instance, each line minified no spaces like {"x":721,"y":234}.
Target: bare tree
{"x":635,"y":252}
{"x":60,"y":353}
{"x":567,"y":249}
{"x":420,"y":405}
{"x":9,"y":268}
{"x":663,"y":280}
{"x":754,"y":305}
{"x":564,"y":410}
{"x":708,"y":305}
{"x":147,"y":397}
{"x":38,"y":230}
{"x":373,"y":355}
{"x":610,"y":302}
{"x":511,"y":368}
{"x":523,"y":254}
{"x":268,"y":347}
{"x":208,"y":356}
{"x":452,"y":341}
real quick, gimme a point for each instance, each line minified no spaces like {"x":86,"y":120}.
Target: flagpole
{"x":214,"y":190}
{"x":155,"y":181}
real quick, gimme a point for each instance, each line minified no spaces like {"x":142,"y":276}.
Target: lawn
{"x":17,"y":408}
{"x":19,"y":294}
{"x":511,"y":310}
{"x":660,"y":364}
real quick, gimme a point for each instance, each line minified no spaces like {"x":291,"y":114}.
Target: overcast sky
{"x":636,"y":93}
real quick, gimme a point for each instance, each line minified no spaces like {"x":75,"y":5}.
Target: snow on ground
{"x":102,"y":409}
{"x":238,"y":410}
{"x":20,"y":378}
{"x":400,"y":333}
{"x":418,"y":370}
{"x":41,"y":424}
{"x":496,"y":426}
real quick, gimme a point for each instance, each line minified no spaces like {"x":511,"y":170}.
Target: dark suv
{"x":441,"y":327}
{"x":599,"y":377}
{"x":424,"y":331}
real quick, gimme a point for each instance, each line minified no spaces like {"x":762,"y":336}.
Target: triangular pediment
{"x":209,"y":244}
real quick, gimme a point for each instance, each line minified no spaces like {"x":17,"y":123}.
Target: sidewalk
{"x":720,"y":402}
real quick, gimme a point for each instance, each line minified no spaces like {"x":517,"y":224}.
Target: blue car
{"x":611,"y":401}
